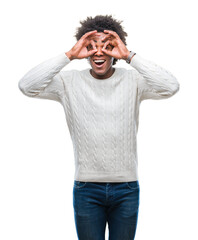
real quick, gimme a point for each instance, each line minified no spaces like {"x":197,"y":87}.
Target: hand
{"x":119,"y":50}
{"x":80,"y":49}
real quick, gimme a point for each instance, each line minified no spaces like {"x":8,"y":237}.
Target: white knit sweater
{"x":102,"y":115}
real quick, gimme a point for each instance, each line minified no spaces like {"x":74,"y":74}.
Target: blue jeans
{"x":97,"y":203}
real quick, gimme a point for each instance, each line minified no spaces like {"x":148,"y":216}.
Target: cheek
{"x":110,"y":61}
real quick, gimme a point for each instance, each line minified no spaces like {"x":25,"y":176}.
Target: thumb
{"x":107,"y":52}
{"x":91,"y":52}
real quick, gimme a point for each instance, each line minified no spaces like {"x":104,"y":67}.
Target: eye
{"x":109,"y":47}
{"x":89,"y":47}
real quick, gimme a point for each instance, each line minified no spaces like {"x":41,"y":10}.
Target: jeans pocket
{"x":133,"y":185}
{"x":79,"y":184}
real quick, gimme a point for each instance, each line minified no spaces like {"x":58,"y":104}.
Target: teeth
{"x":99,"y":61}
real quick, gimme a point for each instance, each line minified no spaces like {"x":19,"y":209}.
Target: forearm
{"x":39,"y":77}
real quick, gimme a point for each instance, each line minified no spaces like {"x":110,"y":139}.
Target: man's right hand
{"x":80,"y":49}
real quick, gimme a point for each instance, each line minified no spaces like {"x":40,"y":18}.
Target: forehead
{"x":98,"y":36}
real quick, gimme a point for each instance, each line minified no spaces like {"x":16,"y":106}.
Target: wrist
{"x":130,"y":56}
{"x":69,"y":55}
{"x":126,"y":56}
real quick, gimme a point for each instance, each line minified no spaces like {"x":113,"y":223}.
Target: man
{"x":102,"y":111}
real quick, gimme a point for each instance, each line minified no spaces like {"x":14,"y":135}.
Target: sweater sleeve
{"x":44,"y":80}
{"x":154,"y":82}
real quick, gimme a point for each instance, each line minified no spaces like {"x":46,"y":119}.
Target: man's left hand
{"x":119,"y":50}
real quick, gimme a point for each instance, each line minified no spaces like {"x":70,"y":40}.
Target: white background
{"x":36,"y":156}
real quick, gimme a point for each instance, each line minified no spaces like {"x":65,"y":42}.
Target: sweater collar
{"x":88,"y":73}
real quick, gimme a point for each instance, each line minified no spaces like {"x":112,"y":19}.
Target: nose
{"x":99,"y":51}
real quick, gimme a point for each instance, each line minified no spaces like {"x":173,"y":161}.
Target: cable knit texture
{"x":102,"y":115}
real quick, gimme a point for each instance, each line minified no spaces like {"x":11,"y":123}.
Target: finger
{"x":93,"y":44}
{"x":91,"y":52}
{"x":107,"y":52}
{"x":88,"y":34}
{"x":108,"y":36}
{"x":106,"y":44}
{"x":90,"y":45}
{"x":112,"y":33}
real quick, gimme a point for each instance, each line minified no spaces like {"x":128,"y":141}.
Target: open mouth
{"x":99,"y":63}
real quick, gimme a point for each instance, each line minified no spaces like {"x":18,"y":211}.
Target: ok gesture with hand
{"x":80,"y":49}
{"x":119,"y":50}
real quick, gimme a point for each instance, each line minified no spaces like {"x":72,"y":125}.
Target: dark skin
{"x":100,"y":46}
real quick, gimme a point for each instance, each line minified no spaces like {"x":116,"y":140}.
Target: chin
{"x":99,"y":72}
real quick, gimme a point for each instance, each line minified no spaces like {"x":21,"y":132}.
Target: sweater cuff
{"x":135,"y":60}
{"x":64,"y":58}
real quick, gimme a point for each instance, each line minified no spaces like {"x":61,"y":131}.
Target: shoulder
{"x":68,"y":75}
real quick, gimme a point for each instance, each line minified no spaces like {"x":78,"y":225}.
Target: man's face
{"x":100,"y":62}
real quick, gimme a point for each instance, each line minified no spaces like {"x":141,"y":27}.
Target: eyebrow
{"x":102,"y":41}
